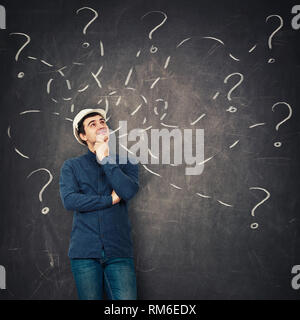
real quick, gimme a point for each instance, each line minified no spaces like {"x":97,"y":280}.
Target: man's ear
{"x":82,"y":136}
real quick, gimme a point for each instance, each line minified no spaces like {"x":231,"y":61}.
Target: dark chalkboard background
{"x":186,"y":246}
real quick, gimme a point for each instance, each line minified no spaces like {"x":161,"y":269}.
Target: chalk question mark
{"x":21,"y":74}
{"x":278,"y":144}
{"x":45,"y":210}
{"x":231,"y":108}
{"x":86,"y":44}
{"x":154,"y":49}
{"x":255,"y":224}
{"x":272,"y":60}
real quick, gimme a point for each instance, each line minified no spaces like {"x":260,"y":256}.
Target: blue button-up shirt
{"x":86,"y":184}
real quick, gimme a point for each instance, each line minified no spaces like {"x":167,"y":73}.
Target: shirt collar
{"x":91,"y":155}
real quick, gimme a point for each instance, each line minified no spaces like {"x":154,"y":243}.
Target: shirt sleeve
{"x":71,"y":197}
{"x":124,"y":181}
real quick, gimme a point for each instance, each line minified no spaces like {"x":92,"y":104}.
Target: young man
{"x":97,"y":188}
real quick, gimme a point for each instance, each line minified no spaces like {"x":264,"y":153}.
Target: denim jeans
{"x":116,"y":276}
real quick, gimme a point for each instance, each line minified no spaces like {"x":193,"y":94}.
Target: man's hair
{"x":80,"y":123}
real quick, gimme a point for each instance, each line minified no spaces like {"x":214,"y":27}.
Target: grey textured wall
{"x":228,"y":67}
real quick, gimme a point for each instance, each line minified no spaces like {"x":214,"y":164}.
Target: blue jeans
{"x":117,"y":275}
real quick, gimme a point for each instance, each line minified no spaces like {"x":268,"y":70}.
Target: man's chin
{"x":101,"y":138}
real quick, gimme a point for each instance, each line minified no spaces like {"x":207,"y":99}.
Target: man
{"x":97,"y":188}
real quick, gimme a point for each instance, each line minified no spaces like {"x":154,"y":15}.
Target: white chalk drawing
{"x":154,"y":49}
{"x":26,"y":112}
{"x":272,"y":60}
{"x":21,"y":74}
{"x":231,"y":108}
{"x":278,"y":143}
{"x":112,"y":97}
{"x":255,"y":224}
{"x":45,"y":210}
{"x":223,"y":44}
{"x":24,"y":45}
{"x":159,"y":25}
{"x":91,"y":21}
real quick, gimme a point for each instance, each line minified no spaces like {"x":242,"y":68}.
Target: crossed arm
{"x":125,"y":185}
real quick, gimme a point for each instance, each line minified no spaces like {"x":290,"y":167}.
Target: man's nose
{"x":100,"y":125}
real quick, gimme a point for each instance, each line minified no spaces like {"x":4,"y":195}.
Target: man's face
{"x":92,"y":126}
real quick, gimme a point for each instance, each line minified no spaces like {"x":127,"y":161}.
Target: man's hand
{"x":115,"y":197}
{"x":101,"y":146}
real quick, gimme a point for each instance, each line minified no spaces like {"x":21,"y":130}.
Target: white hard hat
{"x":79,"y":117}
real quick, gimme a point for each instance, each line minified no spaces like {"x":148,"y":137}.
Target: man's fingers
{"x":99,"y":138}
{"x":115,"y":197}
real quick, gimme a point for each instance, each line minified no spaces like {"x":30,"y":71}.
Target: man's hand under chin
{"x":101,"y":146}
